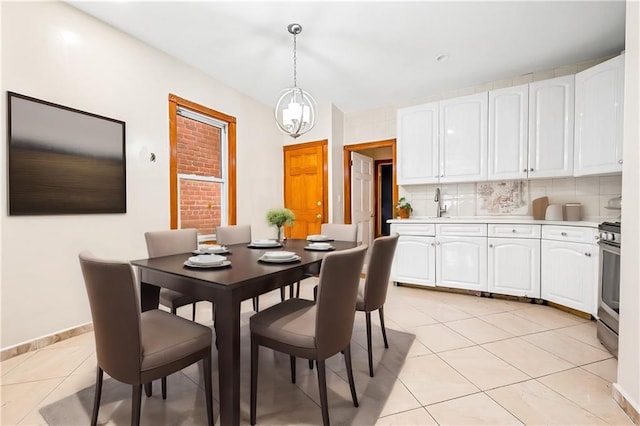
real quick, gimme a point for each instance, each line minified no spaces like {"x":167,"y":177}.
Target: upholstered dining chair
{"x":236,"y":234}
{"x":372,"y":293}
{"x":315,"y":331}
{"x":166,"y":243}
{"x":134,"y":347}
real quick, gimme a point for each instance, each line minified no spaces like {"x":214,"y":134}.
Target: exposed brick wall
{"x":198,"y":153}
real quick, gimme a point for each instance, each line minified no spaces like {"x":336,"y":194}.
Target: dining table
{"x":246,"y":276}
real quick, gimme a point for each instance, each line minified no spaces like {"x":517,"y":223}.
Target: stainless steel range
{"x":609,"y":285}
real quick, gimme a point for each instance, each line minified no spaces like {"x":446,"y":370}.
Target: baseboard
{"x":624,"y":403}
{"x":41,"y":342}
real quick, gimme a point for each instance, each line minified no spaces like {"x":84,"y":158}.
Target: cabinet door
{"x":508,"y":132}
{"x":461,"y":262}
{"x":551,"y":106}
{"x":418,"y":144}
{"x":514,"y":266}
{"x":569,"y":274}
{"x":463,"y":138}
{"x":414,"y":260}
{"x":599,"y":111}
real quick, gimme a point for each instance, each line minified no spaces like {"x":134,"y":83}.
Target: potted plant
{"x":404,"y":208}
{"x":279,"y":218}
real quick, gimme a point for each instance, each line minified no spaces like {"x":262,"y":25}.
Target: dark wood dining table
{"x":227,"y":287}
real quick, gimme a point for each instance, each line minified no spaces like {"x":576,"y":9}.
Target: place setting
{"x":318,"y":238}
{"x":319,"y":246}
{"x":264,"y":244}
{"x":279,"y":257}
{"x":207,"y":261}
{"x":211,"y":249}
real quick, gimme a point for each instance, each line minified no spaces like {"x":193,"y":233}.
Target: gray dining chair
{"x":236,"y":234}
{"x":315,"y":331}
{"x":133,"y":347}
{"x":166,"y":243}
{"x":372,"y":293}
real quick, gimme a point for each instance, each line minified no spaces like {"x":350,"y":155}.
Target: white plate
{"x":207,"y":260}
{"x":279,"y":255}
{"x":271,"y":260}
{"x":195,"y":265}
{"x":316,"y":248}
{"x":324,"y":246}
{"x":318,"y":237}
{"x":211,"y":250}
{"x":264,"y":243}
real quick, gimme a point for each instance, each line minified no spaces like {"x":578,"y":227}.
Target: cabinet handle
{"x":442,"y":175}
{"x":531,"y":169}
{"x":514,"y":231}
{"x":437,"y":243}
{"x":490,"y":245}
{"x":525,"y":170}
{"x":588,"y":254}
{"x":433,"y":244}
{"x":619,"y":161}
{"x":564,"y":234}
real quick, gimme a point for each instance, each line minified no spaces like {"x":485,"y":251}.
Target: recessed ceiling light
{"x":442,"y":58}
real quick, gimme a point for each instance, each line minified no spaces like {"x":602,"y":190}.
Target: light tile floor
{"x":453,"y":359}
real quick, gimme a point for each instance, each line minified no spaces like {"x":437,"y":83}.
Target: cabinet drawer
{"x":506,"y":230}
{"x":462,"y":229}
{"x":420,"y":229}
{"x":575,"y":234}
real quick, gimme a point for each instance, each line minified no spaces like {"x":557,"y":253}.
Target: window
{"x":202,"y":167}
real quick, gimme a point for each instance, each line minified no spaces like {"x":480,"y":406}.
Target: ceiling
{"x":360,"y":55}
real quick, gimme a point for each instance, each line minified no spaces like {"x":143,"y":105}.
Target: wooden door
{"x":305,"y":187}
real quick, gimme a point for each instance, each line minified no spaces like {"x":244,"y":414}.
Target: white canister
{"x":554,"y":212}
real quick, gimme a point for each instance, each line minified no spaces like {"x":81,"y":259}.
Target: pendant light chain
{"x":295,"y":62}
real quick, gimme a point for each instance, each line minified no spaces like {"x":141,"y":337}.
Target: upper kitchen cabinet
{"x":463,"y":138}
{"x":417,"y":147}
{"x":599,"y":111}
{"x":508,"y":133}
{"x":551,"y":117}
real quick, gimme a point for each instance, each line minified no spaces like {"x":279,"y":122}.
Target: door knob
{"x":319,"y":203}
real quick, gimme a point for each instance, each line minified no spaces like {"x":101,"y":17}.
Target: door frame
{"x":346,"y":156}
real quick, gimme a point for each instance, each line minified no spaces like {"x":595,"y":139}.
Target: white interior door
{"x":362,"y":196}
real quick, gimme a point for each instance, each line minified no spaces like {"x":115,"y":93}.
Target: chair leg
{"x":282,"y":294}
{"x":96,"y":400}
{"x":315,"y":293}
{"x":254,"y":379}
{"x":310,"y":364}
{"x":148,"y":389}
{"x":384,"y":331}
{"x":136,"y":401}
{"x":164,"y":387}
{"x":256,"y":305}
{"x":293,"y":368}
{"x":322,"y":384}
{"x":352,"y":384}
{"x":368,"y":318}
{"x":193,"y":314}
{"x":208,"y":388}
{"x":291,"y":291}
{"x":298,"y":289}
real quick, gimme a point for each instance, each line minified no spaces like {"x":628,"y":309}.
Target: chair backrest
{"x":340,"y":232}
{"x":378,"y":271}
{"x":115,"y":310}
{"x":174,"y":241}
{"x":233,"y":234}
{"x":336,"y":302}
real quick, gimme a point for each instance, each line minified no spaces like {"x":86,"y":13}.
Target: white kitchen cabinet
{"x":414,"y":260}
{"x":508,"y":133}
{"x":569,"y":268}
{"x":461,"y":262}
{"x":417,"y":146}
{"x":514,"y":259}
{"x":463,"y":138}
{"x":551,"y":127}
{"x":599,"y":111}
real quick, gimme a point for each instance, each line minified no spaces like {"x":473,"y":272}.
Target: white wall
{"x":109,"y":73}
{"x":629,"y":345}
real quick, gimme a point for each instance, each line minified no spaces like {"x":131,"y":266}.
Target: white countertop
{"x":496,"y":219}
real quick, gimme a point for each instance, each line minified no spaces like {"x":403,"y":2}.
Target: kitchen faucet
{"x":440,"y":208}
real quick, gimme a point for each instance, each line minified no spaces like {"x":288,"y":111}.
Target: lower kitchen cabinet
{"x":570,"y":274}
{"x":414,"y":260}
{"x":514,"y":267}
{"x":461,"y":262}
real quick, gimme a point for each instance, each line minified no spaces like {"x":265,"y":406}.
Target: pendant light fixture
{"x":295,"y":111}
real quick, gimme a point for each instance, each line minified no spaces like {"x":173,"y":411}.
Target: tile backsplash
{"x":513,"y":198}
